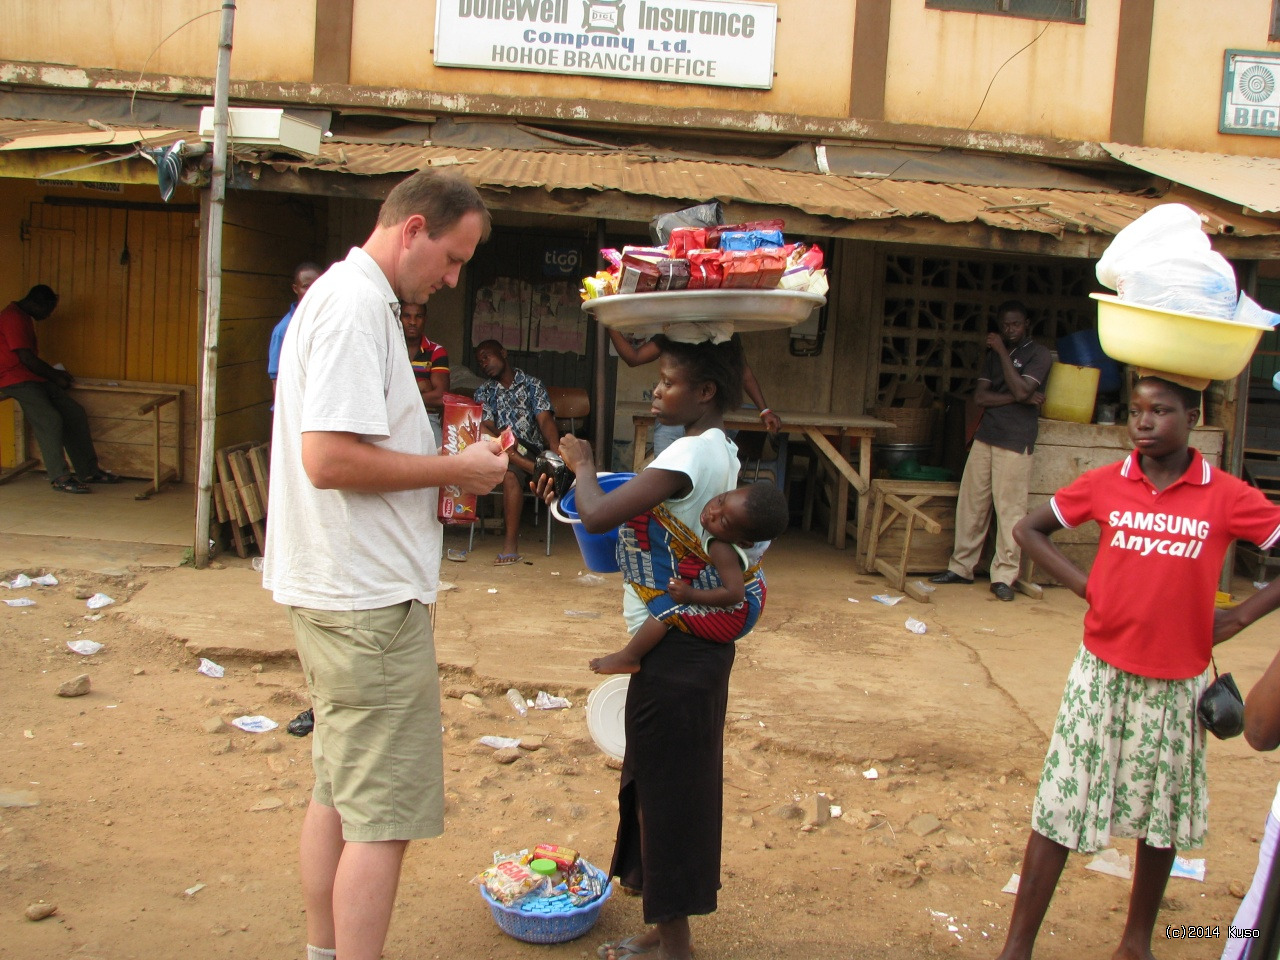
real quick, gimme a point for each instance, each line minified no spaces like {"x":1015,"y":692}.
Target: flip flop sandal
{"x":622,"y":949}
{"x":69,"y":484}
{"x":457,"y":556}
{"x":104,"y":476}
{"x":507,"y":559}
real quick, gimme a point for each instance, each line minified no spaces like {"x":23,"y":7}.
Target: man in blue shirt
{"x":304,"y":275}
{"x":512,"y":398}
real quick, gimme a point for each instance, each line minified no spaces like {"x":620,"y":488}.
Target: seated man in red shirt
{"x":58,"y":422}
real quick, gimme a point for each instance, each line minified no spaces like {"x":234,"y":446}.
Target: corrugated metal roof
{"x":667,"y":176}
{"x":1252,"y":182}
{"x":54,"y":134}
{"x":1051,"y":211}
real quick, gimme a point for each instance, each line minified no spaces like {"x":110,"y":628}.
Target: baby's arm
{"x":1032,"y":534}
{"x":728,"y":566}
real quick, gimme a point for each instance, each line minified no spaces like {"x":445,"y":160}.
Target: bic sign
{"x":1250,"y":93}
{"x":562,"y":262}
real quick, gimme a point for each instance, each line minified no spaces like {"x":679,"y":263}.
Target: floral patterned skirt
{"x":1126,"y":760}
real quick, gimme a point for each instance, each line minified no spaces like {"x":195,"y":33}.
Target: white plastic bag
{"x":1163,"y":259}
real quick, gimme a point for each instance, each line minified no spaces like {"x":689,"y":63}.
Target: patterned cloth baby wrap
{"x":654,"y":547}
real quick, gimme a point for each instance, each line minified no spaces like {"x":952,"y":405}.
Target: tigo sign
{"x":714,"y":42}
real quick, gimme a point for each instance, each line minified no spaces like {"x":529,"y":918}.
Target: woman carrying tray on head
{"x":634,"y":355}
{"x":670,"y":795}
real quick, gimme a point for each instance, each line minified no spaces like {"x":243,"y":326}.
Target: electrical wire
{"x":983,"y":103}
{"x":141,"y":73}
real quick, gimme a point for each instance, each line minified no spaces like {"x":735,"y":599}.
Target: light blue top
{"x":277,"y":339}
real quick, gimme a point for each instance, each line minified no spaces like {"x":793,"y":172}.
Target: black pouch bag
{"x":552,"y":466}
{"x":1221,"y":707}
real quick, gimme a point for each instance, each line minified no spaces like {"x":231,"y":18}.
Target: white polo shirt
{"x":343,"y":368}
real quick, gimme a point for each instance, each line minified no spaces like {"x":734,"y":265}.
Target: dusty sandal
{"x":69,"y":484}
{"x":457,"y":556}
{"x":621,"y":949}
{"x":104,"y":476}
{"x":506,"y":559}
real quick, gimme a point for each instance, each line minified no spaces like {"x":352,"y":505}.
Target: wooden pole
{"x":213,"y":288}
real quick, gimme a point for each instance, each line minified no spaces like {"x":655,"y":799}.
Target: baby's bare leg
{"x":627,"y":660}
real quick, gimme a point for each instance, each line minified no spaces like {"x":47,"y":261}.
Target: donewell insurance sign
{"x":712,"y":42}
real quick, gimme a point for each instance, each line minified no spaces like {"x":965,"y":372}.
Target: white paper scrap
{"x":98,"y":601}
{"x":1012,"y":885}
{"x":500,"y":743}
{"x":255,"y":724}
{"x":192,"y":891}
{"x":545,"y":701}
{"x":48,"y":580}
{"x":872,"y":774}
{"x":211,"y":669}
{"x":21,"y":602}
{"x":1113,"y":863}
{"x":1188,"y":869}
{"x":887,"y":600}
{"x":836,"y":811}
{"x":86,"y":648}
{"x":20,"y":582}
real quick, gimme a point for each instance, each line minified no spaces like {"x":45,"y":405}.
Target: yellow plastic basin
{"x":1175,"y":342}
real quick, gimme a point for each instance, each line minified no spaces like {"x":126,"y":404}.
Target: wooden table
{"x":819,"y":428}
{"x":157,"y":399}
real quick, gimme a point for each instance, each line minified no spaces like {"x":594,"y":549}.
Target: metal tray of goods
{"x":747,"y":310}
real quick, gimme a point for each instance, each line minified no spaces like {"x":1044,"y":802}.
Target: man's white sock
{"x":321,"y":953}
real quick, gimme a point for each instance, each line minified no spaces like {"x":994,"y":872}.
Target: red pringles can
{"x":460,"y":427}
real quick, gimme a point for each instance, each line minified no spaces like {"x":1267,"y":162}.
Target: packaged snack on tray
{"x":639,"y":275}
{"x":673,"y":274}
{"x":601,"y":285}
{"x":684,"y":239}
{"x":759,"y":269}
{"x":563,"y":857}
{"x":715,"y":233}
{"x":705,"y":272}
{"x":461,"y":426}
{"x":750,"y":239}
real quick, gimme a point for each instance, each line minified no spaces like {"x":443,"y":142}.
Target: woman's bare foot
{"x":615,"y":663}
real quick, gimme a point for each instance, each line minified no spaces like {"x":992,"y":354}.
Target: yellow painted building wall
{"x":1185,"y":88}
{"x":942,"y":64}
{"x":273,"y":40}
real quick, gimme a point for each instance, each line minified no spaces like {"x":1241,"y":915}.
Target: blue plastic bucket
{"x":599,"y":550}
{"x":1084,"y":349}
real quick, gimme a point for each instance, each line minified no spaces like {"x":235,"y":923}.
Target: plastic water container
{"x":1084,"y":349}
{"x":1071,"y":393}
{"x":599,"y":550}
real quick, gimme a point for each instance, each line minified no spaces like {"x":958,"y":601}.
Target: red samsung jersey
{"x":1152,"y":586}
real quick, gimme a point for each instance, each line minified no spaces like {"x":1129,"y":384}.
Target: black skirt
{"x":672,"y":777}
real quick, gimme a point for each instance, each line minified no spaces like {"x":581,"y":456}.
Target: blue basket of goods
{"x":550,"y":919}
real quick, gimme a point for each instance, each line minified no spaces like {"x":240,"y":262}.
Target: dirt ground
{"x":161,"y":832}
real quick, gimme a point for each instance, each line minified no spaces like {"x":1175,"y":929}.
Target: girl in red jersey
{"x":1127,"y":754}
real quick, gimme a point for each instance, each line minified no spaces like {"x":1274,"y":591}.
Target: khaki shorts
{"x":376,"y":748}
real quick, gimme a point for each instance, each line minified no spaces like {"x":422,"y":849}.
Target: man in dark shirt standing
{"x":998,"y":473}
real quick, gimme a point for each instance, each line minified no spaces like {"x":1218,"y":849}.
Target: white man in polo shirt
{"x":354,"y":552}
